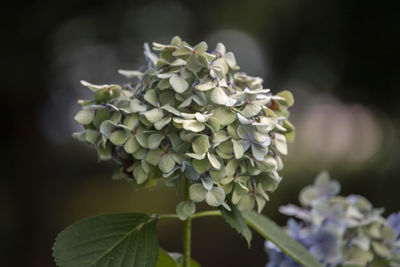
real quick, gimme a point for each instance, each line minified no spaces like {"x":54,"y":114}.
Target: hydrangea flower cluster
{"x":191,"y":115}
{"x":339,"y":230}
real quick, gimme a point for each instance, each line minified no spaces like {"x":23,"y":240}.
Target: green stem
{"x":187,"y":230}
{"x":194,"y":216}
{"x":206,"y":213}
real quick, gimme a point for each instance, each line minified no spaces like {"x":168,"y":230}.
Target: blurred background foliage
{"x":339,"y":58}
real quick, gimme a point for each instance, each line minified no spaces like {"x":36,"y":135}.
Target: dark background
{"x":340,"y":58}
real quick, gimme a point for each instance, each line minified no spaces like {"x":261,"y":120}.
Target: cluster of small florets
{"x":192,"y":115}
{"x":339,"y":230}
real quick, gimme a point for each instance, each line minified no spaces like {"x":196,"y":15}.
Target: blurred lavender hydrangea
{"x":339,"y":230}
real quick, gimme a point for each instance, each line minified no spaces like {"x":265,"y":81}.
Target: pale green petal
{"x":185,"y":209}
{"x":137,"y":106}
{"x":178,"y":84}
{"x":119,"y":137}
{"x":92,"y":136}
{"x":193,"y":64}
{"x":230,"y":59}
{"x":154,"y":115}
{"x":201,"y":47}
{"x":215,"y":196}
{"x":131,"y":120}
{"x":154,"y":140}
{"x":166,"y":163}
{"x":289,"y":99}
{"x":237,"y":149}
{"x":214,"y":161}
{"x":197,"y":192}
{"x":201,"y":166}
{"x":224,"y":115}
{"x":208,"y":85}
{"x":280,"y":143}
{"x":139,"y":175}
{"x":85,"y":116}
{"x":151,"y":97}
{"x":154,"y":156}
{"x":246,"y":203}
{"x":131,"y":146}
{"x":196,"y":156}
{"x":201,"y":144}
{"x":161,"y":123}
{"x":193,"y":125}
{"x":218,"y":96}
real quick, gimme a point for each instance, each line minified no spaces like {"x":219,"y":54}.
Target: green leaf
{"x":215,"y":196}
{"x":85,"y":116}
{"x":185,"y":209}
{"x":173,"y":259}
{"x":178,"y":84}
{"x":110,"y":240}
{"x":271,"y":231}
{"x":235,"y":219}
{"x":164,"y":259}
{"x":201,"y":144}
